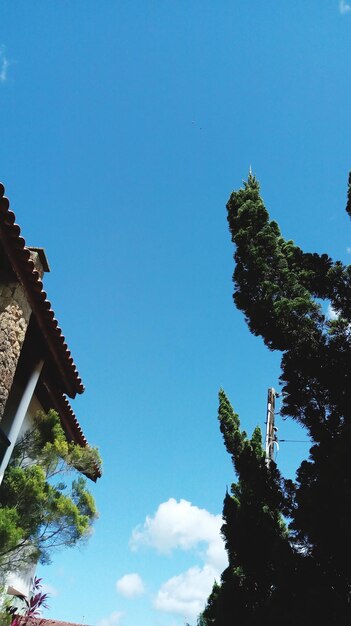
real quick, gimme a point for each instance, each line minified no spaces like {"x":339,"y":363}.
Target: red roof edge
{"x":19,"y":255}
{"x":41,"y":621}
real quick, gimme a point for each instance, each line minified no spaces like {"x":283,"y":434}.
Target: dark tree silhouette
{"x":279,"y":289}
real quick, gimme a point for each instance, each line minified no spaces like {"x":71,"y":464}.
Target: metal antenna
{"x":271,"y":430}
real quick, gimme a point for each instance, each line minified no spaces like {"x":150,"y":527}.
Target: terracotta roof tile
{"x":67,"y":415}
{"x":19,"y":255}
{"x":40,"y":621}
{"x":23,"y":265}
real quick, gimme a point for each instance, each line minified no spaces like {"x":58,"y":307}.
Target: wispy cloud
{"x":130,"y":586}
{"x":182,"y":525}
{"x":111,"y":620}
{"x":50,"y":590}
{"x":4,"y":65}
{"x":348,"y":249}
{"x":344,"y":7}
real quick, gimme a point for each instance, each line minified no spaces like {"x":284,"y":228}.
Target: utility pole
{"x":271,"y":430}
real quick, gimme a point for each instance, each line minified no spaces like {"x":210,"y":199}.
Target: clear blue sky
{"x":124,"y":128}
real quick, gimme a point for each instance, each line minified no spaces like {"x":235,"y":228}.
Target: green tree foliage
{"x":40,"y":510}
{"x":253,"y":587}
{"x":279,"y":288}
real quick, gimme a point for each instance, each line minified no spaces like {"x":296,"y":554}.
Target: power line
{"x":295,"y":441}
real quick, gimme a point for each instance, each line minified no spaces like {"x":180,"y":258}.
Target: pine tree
{"x":255,"y":534}
{"x":279,"y":288}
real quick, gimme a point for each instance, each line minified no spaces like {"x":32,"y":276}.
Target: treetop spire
{"x":252,"y":181}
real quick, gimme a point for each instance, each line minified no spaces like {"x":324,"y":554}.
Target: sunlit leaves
{"x":39,"y":511}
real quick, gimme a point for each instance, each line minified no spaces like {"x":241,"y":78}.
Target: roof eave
{"x":19,"y":257}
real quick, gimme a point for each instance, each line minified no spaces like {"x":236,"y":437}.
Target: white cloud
{"x":130,"y":585}
{"x":4,"y":64}
{"x":348,"y":249}
{"x":187,"y":593}
{"x":181,"y":525}
{"x":344,"y":7}
{"x":331,"y":313}
{"x":111,"y":620}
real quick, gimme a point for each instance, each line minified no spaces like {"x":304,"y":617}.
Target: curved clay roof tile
{"x":24,"y":267}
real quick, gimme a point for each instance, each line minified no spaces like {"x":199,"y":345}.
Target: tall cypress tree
{"x":256,"y":538}
{"x":279,"y":288}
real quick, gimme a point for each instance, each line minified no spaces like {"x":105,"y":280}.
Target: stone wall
{"x":14,"y":317}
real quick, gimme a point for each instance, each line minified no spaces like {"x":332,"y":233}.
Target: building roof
{"x":40,"y":621}
{"x":69,"y":421}
{"x":66,"y":373}
{"x":20,"y":258}
{"x":55,"y":622}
